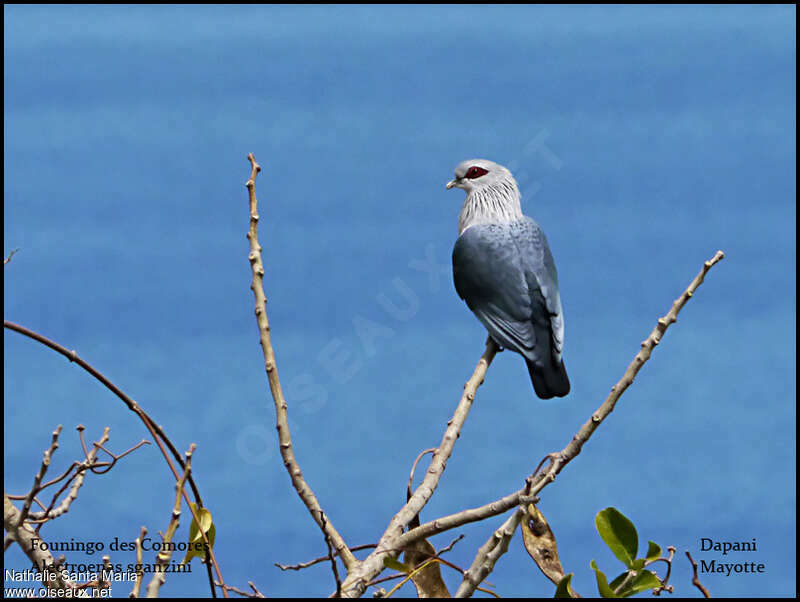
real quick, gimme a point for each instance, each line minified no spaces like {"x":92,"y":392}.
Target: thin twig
{"x":304,"y":565}
{"x":695,"y":580}
{"x":449,"y":546}
{"x":665,"y":581}
{"x":137,"y":584}
{"x":77,"y":481}
{"x":164,"y":556}
{"x":422,"y":454}
{"x":37,"y":479}
{"x":427,"y":557}
{"x":254,"y":594}
{"x":332,"y":558}
{"x":256,"y":591}
{"x":380,"y":580}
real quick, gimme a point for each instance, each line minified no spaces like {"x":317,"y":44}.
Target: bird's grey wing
{"x":489,"y":275}
{"x":507,"y":276}
{"x":542,"y":278}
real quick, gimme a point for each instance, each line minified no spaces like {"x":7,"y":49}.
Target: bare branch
{"x":488,"y":555}
{"x":284,"y":435}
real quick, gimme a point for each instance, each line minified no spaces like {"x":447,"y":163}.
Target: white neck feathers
{"x":494,"y":203}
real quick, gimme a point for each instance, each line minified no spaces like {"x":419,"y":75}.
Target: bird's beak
{"x":451,"y":184}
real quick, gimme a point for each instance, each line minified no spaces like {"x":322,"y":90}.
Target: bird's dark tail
{"x":549,"y":381}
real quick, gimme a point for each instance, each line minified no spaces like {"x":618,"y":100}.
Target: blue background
{"x":644,"y":139}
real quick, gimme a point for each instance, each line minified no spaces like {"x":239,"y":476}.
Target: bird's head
{"x":474,"y":174}
{"x":492,"y":193}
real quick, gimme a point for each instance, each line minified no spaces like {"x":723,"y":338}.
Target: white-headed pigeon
{"x":503,"y":269}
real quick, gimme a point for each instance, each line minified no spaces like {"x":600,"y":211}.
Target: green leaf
{"x":653,"y":550}
{"x":619,"y":534}
{"x":602,"y":583}
{"x":396,"y":565}
{"x":638,"y":564}
{"x":563,"y":589}
{"x":644,"y":581}
{"x":618,"y":580}
{"x":196,"y":543}
{"x":641,"y":582}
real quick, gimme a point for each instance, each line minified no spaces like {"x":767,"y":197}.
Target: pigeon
{"x":503,"y":269}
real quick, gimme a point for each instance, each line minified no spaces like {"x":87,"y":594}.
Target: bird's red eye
{"x":475,"y":172}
